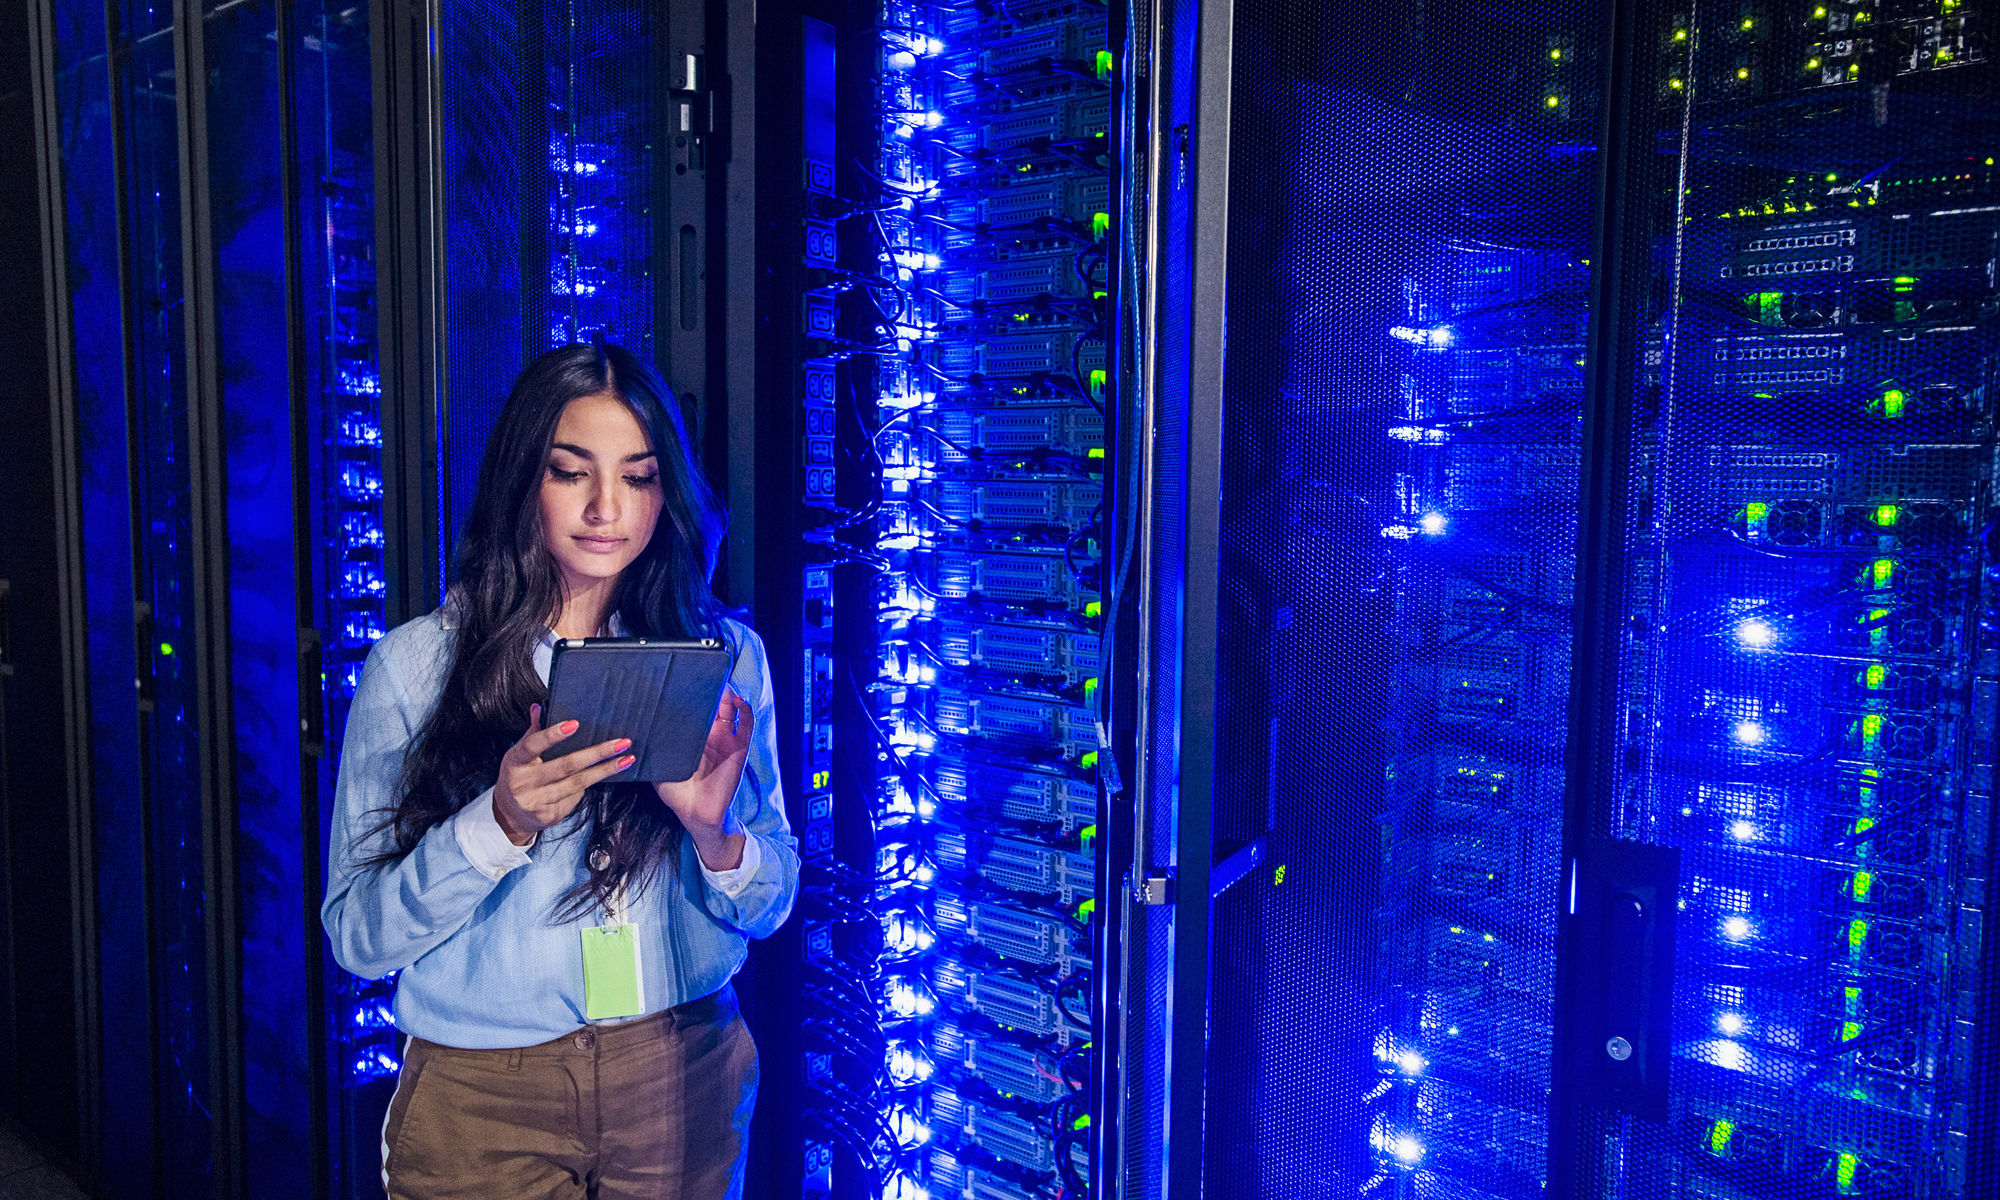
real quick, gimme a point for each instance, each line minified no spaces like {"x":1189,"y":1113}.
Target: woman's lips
{"x":600,"y":545}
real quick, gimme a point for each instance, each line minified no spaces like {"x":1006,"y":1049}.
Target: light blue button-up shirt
{"x":467,"y":916}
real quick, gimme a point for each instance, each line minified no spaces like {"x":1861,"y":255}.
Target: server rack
{"x":1590,"y":611}
{"x":212,"y":356}
{"x":956,"y":244}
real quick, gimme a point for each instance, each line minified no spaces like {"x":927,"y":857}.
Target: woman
{"x":462,"y":860}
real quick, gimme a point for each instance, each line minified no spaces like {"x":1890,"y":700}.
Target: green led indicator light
{"x":1555,"y":55}
{"x":1748,"y":23}
{"x":1094,"y":452}
{"x":1830,"y":176}
{"x":167,"y":649}
{"x":1104,"y":61}
{"x":1871,"y":730}
{"x":1553,"y":102}
{"x":1084,"y":910}
{"x":1844,"y":1170}
{"x":1082,"y":1122}
{"x":1886,"y":514}
{"x":1089,"y":689}
{"x":1098,"y":380}
{"x":1680,"y":35}
{"x":1849,"y":1030}
{"x":1094,"y":609}
{"x":1890,"y":403}
{"x":1278,"y":876}
{"x":1857,"y":937}
{"x":1873,"y":678}
{"x":1770,"y":307}
{"x":1089,"y":760}
{"x":1883,"y":571}
{"x":1718,"y":1137}
{"x":1100,"y":225}
{"x":1086,"y":834}
{"x":1864,"y":884}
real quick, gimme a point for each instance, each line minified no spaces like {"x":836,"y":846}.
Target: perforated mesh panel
{"x":1409,"y":224}
{"x":1808,"y":695}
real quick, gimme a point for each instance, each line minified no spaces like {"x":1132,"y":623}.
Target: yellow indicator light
{"x":1883,"y":570}
{"x":1890,"y":403}
{"x":1885,"y":515}
{"x":1553,"y":101}
{"x":1094,"y":609}
{"x":1874,"y":676}
{"x":1719,"y":1134}
{"x":1094,"y":452}
{"x":1743,"y":72}
{"x":1849,"y":1030}
{"x":1278,"y":876}
{"x":1755,"y":514}
{"x":1680,"y":35}
{"x":1844,"y":1169}
{"x":1088,"y":760}
{"x":1812,"y":64}
{"x":1556,"y":55}
{"x":1864,"y":883}
{"x":1104,"y":61}
{"x":1748,"y":23}
{"x":1677,"y":85}
{"x":1857,"y":937}
{"x":822,"y":779}
{"x":1820,"y":11}
{"x":1863,"y":824}
{"x":1853,"y":1000}
{"x":1871,"y":731}
{"x":1100,"y":224}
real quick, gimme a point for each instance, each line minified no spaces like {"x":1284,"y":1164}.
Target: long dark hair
{"x":506,"y":587}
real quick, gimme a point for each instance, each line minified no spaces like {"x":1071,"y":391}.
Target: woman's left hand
{"x":701,"y":801}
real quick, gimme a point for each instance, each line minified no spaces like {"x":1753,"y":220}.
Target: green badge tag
{"x":611,"y":983}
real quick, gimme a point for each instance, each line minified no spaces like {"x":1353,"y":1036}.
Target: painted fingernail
{"x":570,"y":726}
{"x":622,"y":743}
{"x":627,"y":761}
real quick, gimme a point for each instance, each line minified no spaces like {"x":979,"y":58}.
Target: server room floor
{"x":26,"y":1175}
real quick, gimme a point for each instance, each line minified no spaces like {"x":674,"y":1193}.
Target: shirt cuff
{"x":482,"y":840}
{"x":732,"y":882}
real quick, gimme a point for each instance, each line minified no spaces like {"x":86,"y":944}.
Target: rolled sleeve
{"x":486,"y":845}
{"x":733,"y":881}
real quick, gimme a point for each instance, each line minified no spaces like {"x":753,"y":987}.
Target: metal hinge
{"x":1154,"y":890}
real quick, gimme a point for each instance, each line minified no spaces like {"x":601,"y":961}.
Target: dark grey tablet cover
{"x":661,"y":694}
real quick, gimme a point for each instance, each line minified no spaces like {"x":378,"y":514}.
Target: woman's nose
{"x":603,"y":506}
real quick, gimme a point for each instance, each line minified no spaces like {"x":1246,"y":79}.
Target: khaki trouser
{"x":657,"y":1108}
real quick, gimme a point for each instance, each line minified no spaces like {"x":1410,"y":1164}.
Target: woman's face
{"x":600,"y":491}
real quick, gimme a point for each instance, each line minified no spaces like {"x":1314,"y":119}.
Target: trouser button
{"x":585,"y":1039}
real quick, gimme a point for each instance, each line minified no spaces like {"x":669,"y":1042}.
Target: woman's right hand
{"x":531,"y":795}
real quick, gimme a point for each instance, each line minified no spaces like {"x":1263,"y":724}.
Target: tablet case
{"x":661,"y":694}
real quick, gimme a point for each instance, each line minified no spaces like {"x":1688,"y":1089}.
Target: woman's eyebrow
{"x":580,"y":452}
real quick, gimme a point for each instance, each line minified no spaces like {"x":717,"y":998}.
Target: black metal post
{"x":409,"y":295}
{"x":208,"y":477}
{"x":71,"y":619}
{"x":304,"y":544}
{"x":1596,"y":709}
{"x":1207,"y":157}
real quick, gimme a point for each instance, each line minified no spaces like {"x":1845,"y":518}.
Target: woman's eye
{"x":565,"y":476}
{"x":643,"y":480}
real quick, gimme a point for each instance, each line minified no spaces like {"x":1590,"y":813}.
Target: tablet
{"x":661,"y":694}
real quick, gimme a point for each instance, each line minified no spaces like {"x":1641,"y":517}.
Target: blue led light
{"x":373,"y":1063}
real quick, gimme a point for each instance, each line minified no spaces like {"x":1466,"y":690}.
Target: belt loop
{"x":514,"y":1060}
